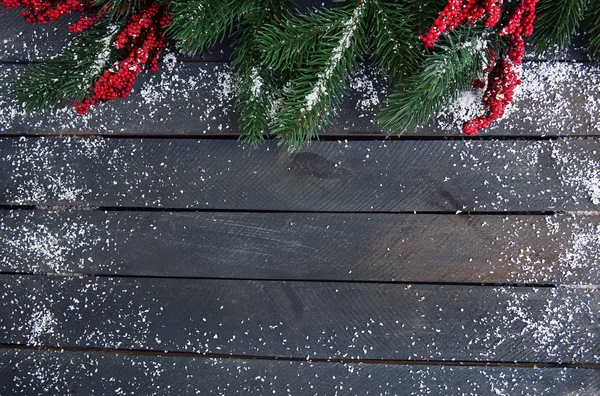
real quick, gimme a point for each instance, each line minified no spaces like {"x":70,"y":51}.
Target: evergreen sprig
{"x":322,"y":49}
{"x":197,"y":24}
{"x":592,"y":23}
{"x":310,"y":99}
{"x":555,"y":24}
{"x":422,"y":12}
{"x":70,"y":75}
{"x":453,"y":66}
{"x":395,"y":45}
{"x":117,"y":9}
{"x":290,"y":45}
{"x":256,"y":84}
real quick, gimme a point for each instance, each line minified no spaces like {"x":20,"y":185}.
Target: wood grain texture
{"x":198,"y":98}
{"x":23,"y":42}
{"x":399,"y":175}
{"x":558,"y":249}
{"x":33,"y":372}
{"x":303,"y":319}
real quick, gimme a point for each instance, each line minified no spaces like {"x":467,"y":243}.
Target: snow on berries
{"x":503,"y":74}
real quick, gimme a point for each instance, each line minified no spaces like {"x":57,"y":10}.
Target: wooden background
{"x":143,"y":250}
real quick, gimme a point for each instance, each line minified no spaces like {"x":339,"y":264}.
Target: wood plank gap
{"x":192,"y":355}
{"x":287,"y":280}
{"x":84,"y":208}
{"x":202,"y":210}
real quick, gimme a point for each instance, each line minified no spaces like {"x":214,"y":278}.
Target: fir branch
{"x":424,"y":12}
{"x":117,"y":9}
{"x":253,"y":103}
{"x":453,"y":66}
{"x":70,"y":75}
{"x":310,"y":99}
{"x":255,"y":83}
{"x":592,"y":23}
{"x":288,"y":46}
{"x":555,"y":24}
{"x":197,"y":24}
{"x":395,"y":44}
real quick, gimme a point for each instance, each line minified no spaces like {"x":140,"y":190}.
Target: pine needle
{"x":555,"y":24}
{"x":197,"y":24}
{"x":395,"y":44}
{"x":72,"y":74}
{"x":117,"y":9}
{"x":592,"y":23}
{"x":310,"y":99}
{"x":256,"y":84}
{"x":452,"y":67}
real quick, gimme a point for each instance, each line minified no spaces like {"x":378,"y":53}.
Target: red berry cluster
{"x":503,"y":77}
{"x":43,"y":11}
{"x":502,"y":81}
{"x":519,"y":25}
{"x":84,"y":23}
{"x":10,"y":3}
{"x":143,"y":40}
{"x":462,"y":12}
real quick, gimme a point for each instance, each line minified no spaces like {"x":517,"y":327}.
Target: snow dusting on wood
{"x":555,"y":98}
{"x":199,"y":98}
{"x":50,"y":244}
{"x":82,"y":215}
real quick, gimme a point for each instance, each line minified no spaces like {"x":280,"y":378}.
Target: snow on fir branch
{"x":323,"y":77}
{"x":292,"y":67}
{"x":69,"y":75}
{"x":257,"y":83}
{"x":103,"y":58}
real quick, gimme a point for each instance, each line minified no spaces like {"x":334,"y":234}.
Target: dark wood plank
{"x":304,"y":319}
{"x":200,"y":95}
{"x":361,"y":247}
{"x":43,"y":372}
{"x":556,"y":99}
{"x":399,"y":175}
{"x":23,"y":42}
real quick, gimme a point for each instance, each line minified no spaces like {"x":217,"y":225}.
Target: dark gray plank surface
{"x":555,"y":99}
{"x":36,"y":372}
{"x":304,"y":319}
{"x":399,"y":175}
{"x":557,"y":249}
{"x":23,"y":42}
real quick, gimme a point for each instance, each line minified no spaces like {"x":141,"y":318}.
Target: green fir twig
{"x":256,"y":84}
{"x":310,"y":99}
{"x":116,"y":10}
{"x":452,"y":67}
{"x":555,"y":24}
{"x":70,"y":75}
{"x":198,"y":24}
{"x":396,"y":46}
{"x":592,"y":23}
